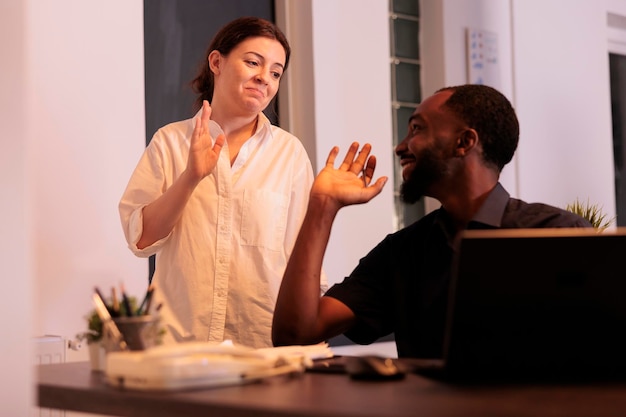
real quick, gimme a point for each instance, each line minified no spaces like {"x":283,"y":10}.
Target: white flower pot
{"x":97,"y":356}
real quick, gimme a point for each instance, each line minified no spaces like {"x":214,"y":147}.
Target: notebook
{"x":535,"y":304}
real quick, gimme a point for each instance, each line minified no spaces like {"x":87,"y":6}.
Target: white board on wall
{"x":483,"y":62}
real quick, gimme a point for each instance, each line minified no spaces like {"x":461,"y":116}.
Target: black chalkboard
{"x":176,"y":36}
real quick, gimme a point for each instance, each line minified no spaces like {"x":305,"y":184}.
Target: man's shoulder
{"x":521,"y":214}
{"x":413,"y":234}
{"x":424,"y":222}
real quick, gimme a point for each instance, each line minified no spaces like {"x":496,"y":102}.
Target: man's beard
{"x":428,"y":169}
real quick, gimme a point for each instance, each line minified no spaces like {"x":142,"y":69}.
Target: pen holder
{"x":139,"y":332}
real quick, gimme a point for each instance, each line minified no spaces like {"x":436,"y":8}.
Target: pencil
{"x":97,"y":291}
{"x":103,"y":312}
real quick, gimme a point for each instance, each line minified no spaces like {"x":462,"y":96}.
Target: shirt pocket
{"x":264,"y":219}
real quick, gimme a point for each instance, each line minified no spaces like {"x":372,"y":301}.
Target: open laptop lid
{"x":538,"y":303}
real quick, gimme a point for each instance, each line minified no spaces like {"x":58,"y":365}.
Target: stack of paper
{"x":204,"y":364}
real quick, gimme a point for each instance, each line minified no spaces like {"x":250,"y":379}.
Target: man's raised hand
{"x":351,"y":182}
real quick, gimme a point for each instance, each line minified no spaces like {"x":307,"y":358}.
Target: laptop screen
{"x":540,"y":302}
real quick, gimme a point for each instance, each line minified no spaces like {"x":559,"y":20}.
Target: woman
{"x":220,"y":197}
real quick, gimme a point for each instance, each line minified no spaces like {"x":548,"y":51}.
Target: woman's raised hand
{"x":203,"y":153}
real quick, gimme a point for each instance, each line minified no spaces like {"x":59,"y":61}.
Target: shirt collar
{"x":215,"y":129}
{"x":492,"y":210}
{"x":263,"y":122}
{"x":490,"y":214}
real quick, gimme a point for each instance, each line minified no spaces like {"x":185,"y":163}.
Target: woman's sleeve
{"x":146,"y":184}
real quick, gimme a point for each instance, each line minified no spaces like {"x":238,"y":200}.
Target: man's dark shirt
{"x":401,"y":286}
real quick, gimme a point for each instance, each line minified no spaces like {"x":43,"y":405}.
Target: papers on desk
{"x":204,"y":364}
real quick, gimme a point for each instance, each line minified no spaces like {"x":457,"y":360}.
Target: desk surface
{"x":73,"y":386}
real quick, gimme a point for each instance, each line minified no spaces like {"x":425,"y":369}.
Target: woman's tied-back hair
{"x":490,"y":113}
{"x":225,"y":41}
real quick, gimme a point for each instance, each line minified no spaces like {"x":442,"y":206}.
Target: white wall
{"x":339,"y":91}
{"x":73,"y":117}
{"x":554,"y":69}
{"x":87,"y":116}
{"x":353,"y":103}
{"x":444,"y":52}
{"x":16,"y":260}
{"x":563,"y":101}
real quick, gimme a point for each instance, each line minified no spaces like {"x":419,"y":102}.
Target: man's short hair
{"x":490,"y":113}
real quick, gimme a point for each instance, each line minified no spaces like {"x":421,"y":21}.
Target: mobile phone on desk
{"x":334,"y":365}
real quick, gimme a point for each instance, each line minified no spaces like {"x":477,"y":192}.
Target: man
{"x":458,"y":141}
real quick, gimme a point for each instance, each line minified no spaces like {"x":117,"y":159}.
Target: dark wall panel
{"x":176,"y":36}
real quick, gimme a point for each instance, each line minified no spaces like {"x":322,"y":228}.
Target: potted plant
{"x":93,"y":337}
{"x":592,"y":212}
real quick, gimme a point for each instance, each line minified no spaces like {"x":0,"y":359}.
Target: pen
{"x":146,"y":301}
{"x":116,"y":303}
{"x":129,"y":311}
{"x":149,"y":296}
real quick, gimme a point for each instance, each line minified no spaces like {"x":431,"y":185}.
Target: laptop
{"x":535,"y":304}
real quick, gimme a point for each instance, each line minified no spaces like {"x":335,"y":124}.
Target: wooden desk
{"x":72,"y":386}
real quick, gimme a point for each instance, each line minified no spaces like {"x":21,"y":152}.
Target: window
{"x":617,"y":66}
{"x":618,"y":110}
{"x":405,"y":89}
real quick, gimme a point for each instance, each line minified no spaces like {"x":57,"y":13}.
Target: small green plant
{"x":94,"y":328}
{"x":94,"y":323}
{"x":592,"y":212}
